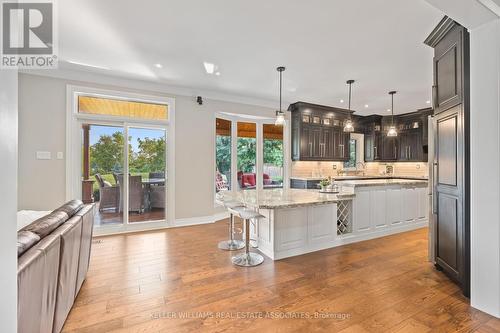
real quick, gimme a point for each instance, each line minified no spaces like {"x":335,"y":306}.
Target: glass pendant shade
{"x":348,"y":126}
{"x":392,"y":132}
{"x":280,"y":118}
{"x":280,"y":115}
{"x":392,"y":129}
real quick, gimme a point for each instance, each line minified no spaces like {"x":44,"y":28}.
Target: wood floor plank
{"x":176,"y":280}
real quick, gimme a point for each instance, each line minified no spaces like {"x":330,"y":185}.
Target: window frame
{"x":74,"y":119}
{"x":259,"y":121}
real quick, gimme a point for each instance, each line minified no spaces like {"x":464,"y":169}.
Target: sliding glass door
{"x":103,"y":159}
{"x":147,"y":174}
{"x":115,"y":169}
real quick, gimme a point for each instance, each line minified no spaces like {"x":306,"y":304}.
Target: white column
{"x":485,"y":167}
{"x":8,"y":199}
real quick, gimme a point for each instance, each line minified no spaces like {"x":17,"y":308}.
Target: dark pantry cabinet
{"x":450,"y":163}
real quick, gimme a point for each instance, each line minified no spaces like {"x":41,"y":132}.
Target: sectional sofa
{"x":53,"y":259}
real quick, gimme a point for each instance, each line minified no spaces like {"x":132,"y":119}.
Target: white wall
{"x":42,"y":117}
{"x":8,"y":199}
{"x":485,"y":167}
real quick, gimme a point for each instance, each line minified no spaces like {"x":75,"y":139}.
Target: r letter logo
{"x":28,"y":36}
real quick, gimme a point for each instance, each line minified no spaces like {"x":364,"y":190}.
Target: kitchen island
{"x":302,"y":221}
{"x":386,"y":206}
{"x":296,"y":221}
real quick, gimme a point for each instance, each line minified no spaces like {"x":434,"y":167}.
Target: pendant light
{"x":392,"y":129}
{"x":349,"y":127}
{"x":280,"y":115}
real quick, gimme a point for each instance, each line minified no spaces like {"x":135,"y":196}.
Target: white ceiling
{"x":379,"y":43}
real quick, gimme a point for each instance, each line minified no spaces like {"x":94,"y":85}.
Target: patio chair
{"x":109,"y":195}
{"x":136,"y":193}
{"x":157,"y":196}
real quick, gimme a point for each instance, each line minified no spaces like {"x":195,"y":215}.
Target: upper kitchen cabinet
{"x":317,"y":133}
{"x":412,"y":133}
{"x":448,"y":42}
{"x":372,"y":129}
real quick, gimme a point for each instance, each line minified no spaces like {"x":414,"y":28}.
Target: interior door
{"x":450,"y":245}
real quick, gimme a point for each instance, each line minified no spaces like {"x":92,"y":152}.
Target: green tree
{"x":246,"y":154}
{"x":273,"y":152}
{"x":223,"y":154}
{"x":150,"y":156}
{"x":106,"y":155}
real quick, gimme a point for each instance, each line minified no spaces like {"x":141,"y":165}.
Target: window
{"x":249,"y":153}
{"x":273,"y":156}
{"x":352,"y":155}
{"x":122,"y":108}
{"x":223,"y":154}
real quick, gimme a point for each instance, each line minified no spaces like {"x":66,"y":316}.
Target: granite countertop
{"x":279,"y":198}
{"x":382,"y":182}
{"x":344,"y":178}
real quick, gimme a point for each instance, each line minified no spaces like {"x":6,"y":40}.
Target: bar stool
{"x":232,"y":244}
{"x":247,"y":259}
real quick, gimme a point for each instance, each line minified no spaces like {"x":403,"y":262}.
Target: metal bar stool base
{"x":248,"y":259}
{"x":231,"y":245}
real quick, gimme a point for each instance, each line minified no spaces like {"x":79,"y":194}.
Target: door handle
{"x":434,"y":187}
{"x":310,"y":148}
{"x":434,"y":97}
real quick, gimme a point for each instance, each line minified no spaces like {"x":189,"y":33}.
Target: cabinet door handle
{"x":409,"y":152}
{"x":375,"y":152}
{"x":310,"y":148}
{"x":434,"y":97}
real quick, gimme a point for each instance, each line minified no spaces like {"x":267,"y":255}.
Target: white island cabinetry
{"x":380,"y":210}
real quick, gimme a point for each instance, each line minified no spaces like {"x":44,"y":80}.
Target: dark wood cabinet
{"x":451,"y":160}
{"x":448,"y":68}
{"x":410,"y":146}
{"x":317,"y":133}
{"x":389,"y":148}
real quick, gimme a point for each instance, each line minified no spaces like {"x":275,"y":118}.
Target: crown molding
{"x":443,"y":27}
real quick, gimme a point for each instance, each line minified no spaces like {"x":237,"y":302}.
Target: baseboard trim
{"x":190,"y":221}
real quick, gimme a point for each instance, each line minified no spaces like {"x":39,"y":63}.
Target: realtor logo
{"x":28,"y":35}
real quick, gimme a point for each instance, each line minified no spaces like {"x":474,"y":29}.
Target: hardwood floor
{"x":178,"y":281}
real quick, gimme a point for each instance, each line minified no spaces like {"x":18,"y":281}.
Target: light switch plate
{"x":60,"y":155}
{"x":43,"y":155}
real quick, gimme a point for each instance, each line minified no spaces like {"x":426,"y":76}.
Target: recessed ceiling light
{"x":341,"y":101}
{"x":428,"y":102}
{"x":388,"y":110}
{"x":158,"y":65}
{"x":366,"y":105}
{"x":209,"y":67}
{"x":86,"y":65}
{"x":217,"y":73}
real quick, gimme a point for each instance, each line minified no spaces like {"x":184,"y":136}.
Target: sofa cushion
{"x":71,"y":207}
{"x":25,"y":240}
{"x":45,"y":225}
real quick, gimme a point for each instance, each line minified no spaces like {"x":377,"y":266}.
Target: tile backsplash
{"x":325,"y":169}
